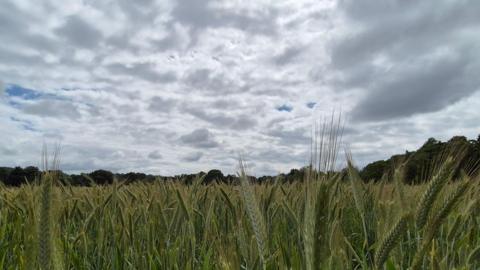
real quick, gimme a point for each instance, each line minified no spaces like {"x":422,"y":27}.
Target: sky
{"x":182,"y":86}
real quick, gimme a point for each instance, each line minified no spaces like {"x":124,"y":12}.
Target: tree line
{"x":420,"y":164}
{"x":417,"y":165}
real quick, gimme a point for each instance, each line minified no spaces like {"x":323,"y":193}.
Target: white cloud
{"x":2,"y":89}
{"x":170,"y":87}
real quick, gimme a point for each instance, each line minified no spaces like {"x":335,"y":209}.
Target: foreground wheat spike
{"x":365,"y":206}
{"x":309,"y":226}
{"x":45,"y":237}
{"x":390,"y":241}
{"x":436,"y":221}
{"x":398,"y":180}
{"x":434,"y":187}
{"x":254,"y":214}
{"x":48,"y":256}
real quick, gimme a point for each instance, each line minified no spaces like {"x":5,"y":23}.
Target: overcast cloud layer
{"x":171,"y":87}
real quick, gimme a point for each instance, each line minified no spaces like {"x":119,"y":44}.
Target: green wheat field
{"x":326,"y":221}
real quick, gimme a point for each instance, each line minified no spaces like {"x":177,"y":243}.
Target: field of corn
{"x":322,"y":222}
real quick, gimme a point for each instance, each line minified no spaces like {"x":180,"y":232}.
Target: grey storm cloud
{"x":13,"y":18}
{"x":155,"y":155}
{"x":416,"y":61}
{"x":142,"y":10}
{"x":2,"y":88}
{"x":223,"y":104}
{"x":159,"y":104}
{"x":424,"y":88}
{"x":8,"y":151}
{"x":53,"y":108}
{"x":206,"y":81}
{"x":203,"y":14}
{"x":199,"y":138}
{"x":144,"y":71}
{"x":10,"y":56}
{"x":221,"y":119}
{"x":282,"y":156}
{"x":193,"y":157}
{"x":290,"y":136}
{"x":80,"y":33}
{"x":288,"y":55}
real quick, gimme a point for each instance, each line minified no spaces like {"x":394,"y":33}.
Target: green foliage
{"x":420,"y":164}
{"x":16,"y":177}
{"x":374,"y":170}
{"x":101,"y":177}
{"x":213,"y":176}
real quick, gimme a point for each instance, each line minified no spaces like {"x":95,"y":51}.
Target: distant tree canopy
{"x":418,"y":167}
{"x":374,"y":170}
{"x":18,"y":175}
{"x":31,"y":173}
{"x":101,"y":177}
{"x":4,"y":173}
{"x":420,"y":164}
{"x":214,"y":175}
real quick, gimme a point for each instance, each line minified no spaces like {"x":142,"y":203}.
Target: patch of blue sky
{"x":14,"y":90}
{"x":285,"y":108}
{"x":311,"y":104}
{"x":18,"y":93}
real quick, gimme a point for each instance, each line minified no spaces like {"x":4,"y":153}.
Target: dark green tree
{"x":213,"y":175}
{"x":31,"y":173}
{"x":16,"y":177}
{"x":102,"y":177}
{"x":421,"y":162}
{"x":375,"y":170}
{"x":4,"y":172}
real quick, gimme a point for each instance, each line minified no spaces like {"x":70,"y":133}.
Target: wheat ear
{"x":253,"y":212}
{"x":434,"y":187}
{"x":390,"y":241}
{"x":435,"y":223}
{"x":45,"y":236}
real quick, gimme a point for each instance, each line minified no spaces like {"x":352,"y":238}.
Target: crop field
{"x":239,"y":135}
{"x":322,"y":222}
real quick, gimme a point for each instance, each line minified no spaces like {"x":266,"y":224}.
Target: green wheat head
{"x":253,"y":212}
{"x":390,"y":241}
{"x":436,"y":221}
{"x":433,"y":189}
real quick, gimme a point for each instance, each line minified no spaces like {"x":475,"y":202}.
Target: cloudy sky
{"x":180,"y":86}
